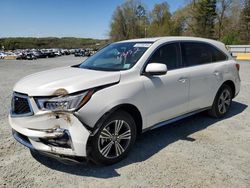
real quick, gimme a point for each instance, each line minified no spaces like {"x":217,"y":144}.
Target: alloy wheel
{"x":224,"y":101}
{"x":114,"y":139}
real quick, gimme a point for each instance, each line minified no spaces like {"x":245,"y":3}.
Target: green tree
{"x":228,"y":21}
{"x":127,"y":22}
{"x":204,"y":15}
{"x":231,"y":37}
{"x":245,"y":23}
{"x":119,"y":29}
{"x":181,"y":21}
{"x":50,"y":42}
{"x":160,"y":20}
{"x":222,"y":9}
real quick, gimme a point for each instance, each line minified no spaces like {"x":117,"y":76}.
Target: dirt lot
{"x":196,"y":152}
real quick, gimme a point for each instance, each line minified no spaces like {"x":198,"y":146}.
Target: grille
{"x":20,"y":105}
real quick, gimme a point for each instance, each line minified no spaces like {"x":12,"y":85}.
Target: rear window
{"x":218,"y":55}
{"x":198,"y":53}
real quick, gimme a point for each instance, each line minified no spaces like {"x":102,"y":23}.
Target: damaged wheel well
{"x":129,"y":108}
{"x":135,"y":113}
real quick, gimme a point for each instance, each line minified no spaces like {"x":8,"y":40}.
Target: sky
{"x":63,"y":18}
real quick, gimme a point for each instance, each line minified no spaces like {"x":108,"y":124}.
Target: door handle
{"x":216,"y":73}
{"x":182,"y":80}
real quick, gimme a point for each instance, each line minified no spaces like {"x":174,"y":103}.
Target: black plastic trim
{"x":22,"y":139}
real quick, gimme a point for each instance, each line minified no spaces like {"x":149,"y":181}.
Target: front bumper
{"x":55,"y":133}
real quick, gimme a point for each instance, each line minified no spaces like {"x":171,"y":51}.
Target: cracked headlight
{"x":64,"y":103}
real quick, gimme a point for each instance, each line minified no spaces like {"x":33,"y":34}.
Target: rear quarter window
{"x":198,"y":53}
{"x":218,"y":55}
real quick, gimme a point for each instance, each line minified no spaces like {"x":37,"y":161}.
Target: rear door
{"x":204,"y":64}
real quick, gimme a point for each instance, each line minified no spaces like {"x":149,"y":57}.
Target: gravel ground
{"x":196,"y":152}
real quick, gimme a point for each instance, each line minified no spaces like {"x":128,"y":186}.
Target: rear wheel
{"x":222,"y":102}
{"x":114,"y":139}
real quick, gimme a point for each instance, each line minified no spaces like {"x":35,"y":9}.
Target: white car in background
{"x":2,"y":55}
{"x":96,"y":109}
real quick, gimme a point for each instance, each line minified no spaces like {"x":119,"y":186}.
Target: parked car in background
{"x":79,"y":53}
{"x":72,"y":51}
{"x":65,"y":52}
{"x":2,"y":55}
{"x":87,"y":52}
{"x":21,"y":56}
{"x":46,"y":53}
{"x":49,"y":53}
{"x":57,"y":53}
{"x":39,"y":54}
{"x":30,"y":56}
{"x":96,"y":109}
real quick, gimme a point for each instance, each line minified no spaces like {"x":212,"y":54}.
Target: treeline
{"x":50,"y":42}
{"x":224,"y":20}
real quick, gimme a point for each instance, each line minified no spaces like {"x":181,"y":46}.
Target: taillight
{"x":237,"y":66}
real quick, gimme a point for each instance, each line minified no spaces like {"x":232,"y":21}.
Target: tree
{"x":225,"y":20}
{"x":245,"y":23}
{"x":182,"y":21}
{"x":119,"y":29}
{"x":126,"y":22}
{"x":49,"y":42}
{"x":222,"y":7}
{"x":141,"y":14}
{"x":229,"y":33}
{"x":204,"y":15}
{"x":160,"y":20}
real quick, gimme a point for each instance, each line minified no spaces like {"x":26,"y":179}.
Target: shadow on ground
{"x":146,"y":145}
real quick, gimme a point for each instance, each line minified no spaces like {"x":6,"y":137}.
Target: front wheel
{"x":222,"y":102}
{"x":114,"y":139}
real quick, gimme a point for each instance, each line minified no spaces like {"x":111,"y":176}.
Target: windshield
{"x":116,"y":56}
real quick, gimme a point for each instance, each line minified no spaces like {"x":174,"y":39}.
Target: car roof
{"x":173,"y":38}
{"x":142,"y":40}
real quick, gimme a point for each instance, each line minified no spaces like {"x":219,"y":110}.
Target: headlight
{"x":64,"y":103}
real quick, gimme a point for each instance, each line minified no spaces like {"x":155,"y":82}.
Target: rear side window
{"x":218,"y":55}
{"x":168,"y":55}
{"x":200,"y":53}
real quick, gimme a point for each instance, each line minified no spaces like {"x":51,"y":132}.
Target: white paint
{"x":158,"y":98}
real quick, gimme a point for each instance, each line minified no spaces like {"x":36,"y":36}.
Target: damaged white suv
{"x":96,"y":109}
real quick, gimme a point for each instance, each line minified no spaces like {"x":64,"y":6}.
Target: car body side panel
{"x":204,"y":83}
{"x":167,"y":96}
{"x":233,"y":75}
{"x":128,"y":91}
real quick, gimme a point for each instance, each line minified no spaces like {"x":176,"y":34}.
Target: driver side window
{"x":168,"y":55}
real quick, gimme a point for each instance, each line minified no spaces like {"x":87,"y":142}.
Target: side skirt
{"x":167,"y":122}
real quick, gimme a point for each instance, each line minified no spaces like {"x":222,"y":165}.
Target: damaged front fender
{"x":45,"y":132}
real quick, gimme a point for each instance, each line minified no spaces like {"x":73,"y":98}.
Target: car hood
{"x":71,"y":79}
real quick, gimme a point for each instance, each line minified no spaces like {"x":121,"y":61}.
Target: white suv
{"x":96,"y":109}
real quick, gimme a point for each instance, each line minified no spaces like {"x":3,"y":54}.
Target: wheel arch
{"x":129,"y":108}
{"x":231,"y":84}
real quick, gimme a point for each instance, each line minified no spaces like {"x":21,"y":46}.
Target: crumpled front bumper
{"x":56,"y":133}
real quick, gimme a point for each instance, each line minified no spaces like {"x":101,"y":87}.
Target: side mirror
{"x":156,"y":69}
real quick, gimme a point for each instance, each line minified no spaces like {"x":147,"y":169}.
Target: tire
{"x":107,"y":146}
{"x":222,"y":102}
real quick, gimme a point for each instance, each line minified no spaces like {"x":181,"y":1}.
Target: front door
{"x":167,"y":95}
